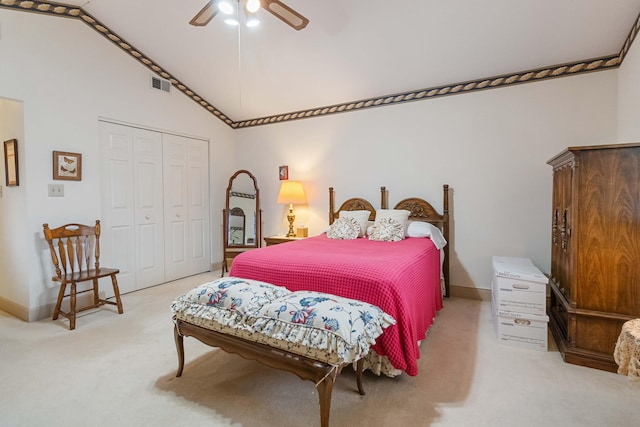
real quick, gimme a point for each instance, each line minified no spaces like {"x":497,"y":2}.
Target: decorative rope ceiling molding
{"x":545,"y":73}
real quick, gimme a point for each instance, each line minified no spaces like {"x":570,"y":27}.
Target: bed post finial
{"x":384,"y":198}
{"x":445,"y":203}
{"x":331,"y":205}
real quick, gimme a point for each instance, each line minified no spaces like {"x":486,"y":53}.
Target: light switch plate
{"x":56,"y":190}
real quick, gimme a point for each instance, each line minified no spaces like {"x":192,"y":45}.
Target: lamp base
{"x":291,"y":217}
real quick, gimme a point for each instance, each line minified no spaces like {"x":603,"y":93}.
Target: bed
{"x":406,"y":278}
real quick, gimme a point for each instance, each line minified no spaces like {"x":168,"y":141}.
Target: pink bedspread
{"x":402,"y":278}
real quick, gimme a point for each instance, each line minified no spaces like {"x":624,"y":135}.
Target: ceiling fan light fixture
{"x":226,"y":7}
{"x":252,"y":6}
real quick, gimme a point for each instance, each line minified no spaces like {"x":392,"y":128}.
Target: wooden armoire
{"x":595,"y":255}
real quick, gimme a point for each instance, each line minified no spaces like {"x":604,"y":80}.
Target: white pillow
{"x":400,"y":215}
{"x":344,"y":229}
{"x":361,"y":216}
{"x":426,"y":229}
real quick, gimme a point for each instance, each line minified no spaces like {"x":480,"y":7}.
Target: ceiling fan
{"x":229,"y":7}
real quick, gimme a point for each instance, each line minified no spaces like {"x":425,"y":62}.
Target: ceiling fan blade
{"x":285,"y":14}
{"x":205,"y":15}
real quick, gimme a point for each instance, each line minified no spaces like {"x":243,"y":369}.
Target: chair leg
{"x":72,"y":307}
{"x":96,"y":294}
{"x":56,"y":310}
{"x":116,"y":292}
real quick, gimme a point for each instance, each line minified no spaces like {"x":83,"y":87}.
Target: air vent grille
{"x":160,"y":84}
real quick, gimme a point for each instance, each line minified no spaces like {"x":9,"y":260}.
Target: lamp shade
{"x":291,"y":192}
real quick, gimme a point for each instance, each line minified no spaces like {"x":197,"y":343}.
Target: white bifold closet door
{"x":186,"y":206}
{"x":137,"y":195}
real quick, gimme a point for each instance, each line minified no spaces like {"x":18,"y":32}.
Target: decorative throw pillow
{"x":387,"y":230}
{"x":342,"y":326}
{"x":361,"y":216}
{"x":344,"y":228}
{"x":400,"y":215}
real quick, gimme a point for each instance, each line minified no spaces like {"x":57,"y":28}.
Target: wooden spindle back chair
{"x":75,"y":252}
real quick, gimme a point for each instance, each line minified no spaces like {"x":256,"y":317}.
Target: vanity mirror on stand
{"x":242,"y":217}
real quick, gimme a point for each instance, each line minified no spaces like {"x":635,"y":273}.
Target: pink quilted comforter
{"x":402,"y":278}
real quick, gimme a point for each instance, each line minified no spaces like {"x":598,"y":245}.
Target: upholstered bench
{"x":310,"y":334}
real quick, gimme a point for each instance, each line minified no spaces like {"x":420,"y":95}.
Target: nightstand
{"x":276,"y":240}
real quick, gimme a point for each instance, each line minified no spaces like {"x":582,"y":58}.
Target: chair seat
{"x":82,"y":276}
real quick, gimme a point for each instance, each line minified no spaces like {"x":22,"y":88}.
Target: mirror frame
{"x":226,"y":211}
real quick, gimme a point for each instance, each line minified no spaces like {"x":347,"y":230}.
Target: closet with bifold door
{"x":155,"y":205}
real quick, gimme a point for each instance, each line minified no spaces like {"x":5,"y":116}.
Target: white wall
{"x":629,"y":96}
{"x":67,"y":76}
{"x":13,"y":209}
{"x":491,"y":147}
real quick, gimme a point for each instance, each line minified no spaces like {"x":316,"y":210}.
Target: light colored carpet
{"x":120,"y":370}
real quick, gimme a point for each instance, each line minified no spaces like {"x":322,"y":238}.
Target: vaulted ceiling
{"x":357,"y":53}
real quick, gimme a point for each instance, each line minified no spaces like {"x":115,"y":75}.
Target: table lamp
{"x":291,"y":192}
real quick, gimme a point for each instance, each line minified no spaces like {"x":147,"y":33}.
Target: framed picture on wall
{"x":11,"y":162}
{"x":283,"y":173}
{"x":67,"y":166}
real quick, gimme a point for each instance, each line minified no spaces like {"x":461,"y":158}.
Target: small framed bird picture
{"x":283,"y":173}
{"x":67,"y":166}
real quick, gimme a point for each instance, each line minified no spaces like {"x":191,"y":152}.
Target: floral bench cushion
{"x":225,"y":302}
{"x":320,"y":326}
{"x":332,"y":328}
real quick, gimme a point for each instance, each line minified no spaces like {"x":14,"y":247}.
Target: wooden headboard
{"x":356,"y":204}
{"x":421,"y":210}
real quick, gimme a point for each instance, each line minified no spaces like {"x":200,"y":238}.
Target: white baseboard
{"x":24,"y":313}
{"x":45,"y":311}
{"x":470,"y":293}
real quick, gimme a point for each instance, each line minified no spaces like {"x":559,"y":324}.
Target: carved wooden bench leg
{"x":325,"y":389}
{"x":360,"y":366}
{"x":180,"y":348}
